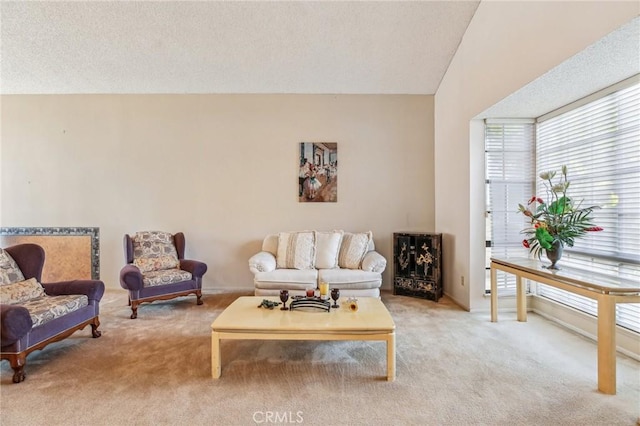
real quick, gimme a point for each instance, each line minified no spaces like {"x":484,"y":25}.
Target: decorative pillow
{"x":154,"y":251}
{"x":9,"y":271}
{"x":296,"y":250}
{"x":353,"y":249}
{"x":21,"y":291}
{"x":147,"y":264}
{"x":327,"y":249}
{"x":153,"y":244}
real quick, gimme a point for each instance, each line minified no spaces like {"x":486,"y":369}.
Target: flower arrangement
{"x":559,"y":220}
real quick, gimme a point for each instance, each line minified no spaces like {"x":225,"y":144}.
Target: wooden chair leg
{"x":94,"y":328}
{"x":134,"y":309}
{"x":17,"y":363}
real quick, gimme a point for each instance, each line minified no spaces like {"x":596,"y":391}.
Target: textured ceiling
{"x":229,"y":47}
{"x":611,"y":59}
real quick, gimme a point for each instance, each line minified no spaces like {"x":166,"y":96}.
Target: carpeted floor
{"x":453,"y":368}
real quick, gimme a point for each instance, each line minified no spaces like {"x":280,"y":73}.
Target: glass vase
{"x":555,"y":254}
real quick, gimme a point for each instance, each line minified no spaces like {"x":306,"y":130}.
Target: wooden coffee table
{"x":244,"y":320}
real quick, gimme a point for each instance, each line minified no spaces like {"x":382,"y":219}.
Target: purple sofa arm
{"x":15,"y":323}
{"x":93,"y":289}
{"x":196,"y":268}
{"x":131,"y":278}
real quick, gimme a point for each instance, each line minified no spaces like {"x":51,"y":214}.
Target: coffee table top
{"x":244,"y":315}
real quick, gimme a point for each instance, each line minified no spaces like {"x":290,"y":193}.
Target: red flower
{"x":594,"y":229}
{"x":525,"y":243}
{"x":536,"y":199}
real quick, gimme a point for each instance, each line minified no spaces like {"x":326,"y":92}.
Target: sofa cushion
{"x":296,"y":250}
{"x":21,"y":291}
{"x":327,"y":249}
{"x":353,"y":249}
{"x":149,"y":264}
{"x":46,"y":308}
{"x":164,"y":277}
{"x":287,"y":279}
{"x":154,"y":251}
{"x":350,"y":279}
{"x":9,"y":270}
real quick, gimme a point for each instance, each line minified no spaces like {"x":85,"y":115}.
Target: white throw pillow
{"x":296,"y":250}
{"x":353,"y":249}
{"x":21,"y":291}
{"x":327,"y":249}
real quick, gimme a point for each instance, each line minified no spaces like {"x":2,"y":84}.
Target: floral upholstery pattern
{"x":9,"y":270}
{"x":154,"y":250}
{"x":21,"y":291}
{"x":150,"y":264}
{"x":164,"y":277}
{"x":46,"y":308}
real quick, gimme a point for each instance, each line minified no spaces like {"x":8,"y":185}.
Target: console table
{"x":606,"y":290}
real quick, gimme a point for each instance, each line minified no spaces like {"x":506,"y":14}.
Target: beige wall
{"x":221,"y":168}
{"x":506,"y":46}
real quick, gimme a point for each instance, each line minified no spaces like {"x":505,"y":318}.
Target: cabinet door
{"x":426,"y":256}
{"x":402,"y":256}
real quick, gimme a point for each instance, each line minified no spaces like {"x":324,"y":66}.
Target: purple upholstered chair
{"x":157,"y":270}
{"x":34,"y":314}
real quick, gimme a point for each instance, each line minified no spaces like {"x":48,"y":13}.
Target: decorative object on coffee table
{"x":284,"y":296}
{"x":335,"y":295}
{"x":417,"y":262}
{"x":324,"y":290}
{"x":269,"y":304}
{"x":352,"y":303}
{"x":310,"y":302}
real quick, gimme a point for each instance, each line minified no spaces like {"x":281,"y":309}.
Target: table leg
{"x":606,"y":344}
{"x":391,"y":357}
{"x":494,"y":295}
{"x":521,"y":298}
{"x":215,"y":355}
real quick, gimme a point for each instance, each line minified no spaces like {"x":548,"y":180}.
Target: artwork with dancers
{"x":318,"y":172}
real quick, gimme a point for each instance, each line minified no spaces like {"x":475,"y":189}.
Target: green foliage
{"x":560,"y":219}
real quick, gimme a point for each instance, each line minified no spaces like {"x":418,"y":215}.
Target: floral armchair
{"x":34,"y":314}
{"x":157,"y":270}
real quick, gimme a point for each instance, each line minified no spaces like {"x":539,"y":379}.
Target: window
{"x":599,"y":142}
{"x":509,"y":152}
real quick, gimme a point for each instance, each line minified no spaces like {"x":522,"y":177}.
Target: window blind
{"x":599,"y":142}
{"x":509,"y":152}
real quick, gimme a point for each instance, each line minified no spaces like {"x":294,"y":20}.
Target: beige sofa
{"x":297,"y":261}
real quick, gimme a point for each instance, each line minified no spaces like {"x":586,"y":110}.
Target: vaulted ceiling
{"x":229,"y":47}
{"x":323,"y":47}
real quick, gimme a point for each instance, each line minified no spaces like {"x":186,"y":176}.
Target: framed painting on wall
{"x":318,"y":172}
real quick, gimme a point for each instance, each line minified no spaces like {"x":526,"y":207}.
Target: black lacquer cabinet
{"x":417,"y":265}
